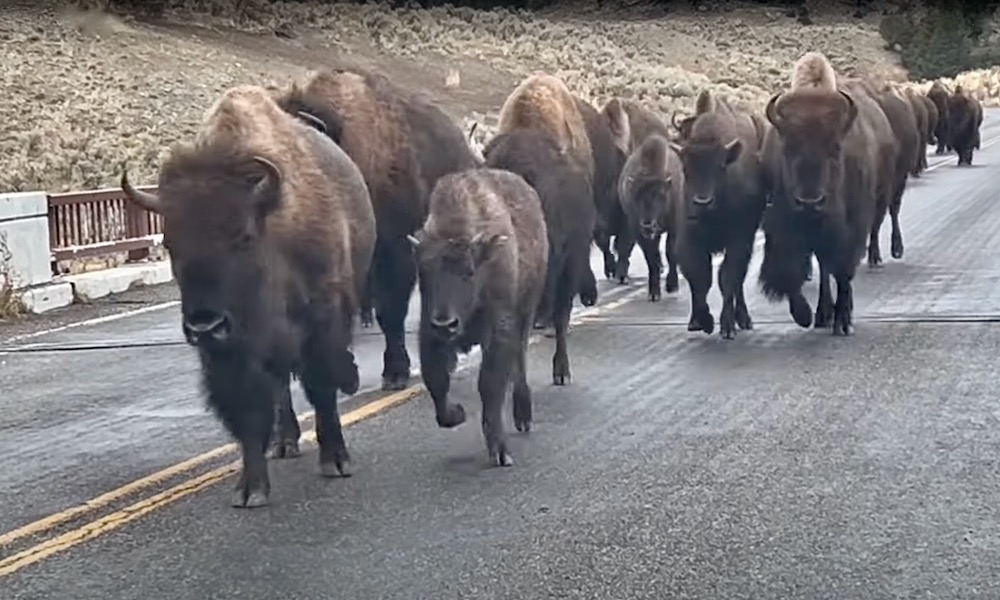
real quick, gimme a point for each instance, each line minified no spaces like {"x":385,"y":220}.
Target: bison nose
{"x":203,"y":324}
{"x":445,"y":325}
{"x":649,"y":228}
{"x":810,"y":201}
{"x":703,"y":200}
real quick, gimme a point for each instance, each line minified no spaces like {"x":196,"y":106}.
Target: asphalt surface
{"x":784,"y":464}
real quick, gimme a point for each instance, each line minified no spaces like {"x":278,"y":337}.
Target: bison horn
{"x":771,"y":111}
{"x":413,"y":240}
{"x":312,"y":120}
{"x":472,"y":128}
{"x":673,"y":120}
{"x":147,"y":200}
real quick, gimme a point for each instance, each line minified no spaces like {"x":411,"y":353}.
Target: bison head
{"x":705,"y":166}
{"x":214,"y":211}
{"x":451,"y":278}
{"x":812,"y":128}
{"x":646,"y":186}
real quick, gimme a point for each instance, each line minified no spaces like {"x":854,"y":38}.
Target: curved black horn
{"x":312,"y":120}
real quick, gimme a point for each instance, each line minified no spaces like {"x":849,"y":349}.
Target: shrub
{"x":11,"y":304}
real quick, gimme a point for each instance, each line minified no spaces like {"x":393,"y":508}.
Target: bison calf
{"x":650,"y":191}
{"x":270,"y":231}
{"x":482,"y":256}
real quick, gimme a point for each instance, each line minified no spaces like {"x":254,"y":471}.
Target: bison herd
{"x":295,"y":211}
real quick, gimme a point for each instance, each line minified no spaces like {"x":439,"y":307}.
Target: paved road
{"x":784,"y":464}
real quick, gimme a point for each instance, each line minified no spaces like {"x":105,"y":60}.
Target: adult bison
{"x":651,"y":191}
{"x":270,"y":231}
{"x":543,"y":138}
{"x":724,"y":200}
{"x":608,"y":134}
{"x":403,"y":143}
{"x":965,"y":116}
{"x":821,"y":159}
{"x":939,"y":95}
{"x":922,"y":116}
{"x":932,"y":119}
{"x":482,"y":254}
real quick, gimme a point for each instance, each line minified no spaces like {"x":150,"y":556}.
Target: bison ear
{"x":267,"y":187}
{"x":733,"y":150}
{"x":621,"y":131}
{"x":484,"y":244}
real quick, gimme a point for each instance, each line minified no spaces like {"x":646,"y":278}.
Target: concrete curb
{"x":87,"y":287}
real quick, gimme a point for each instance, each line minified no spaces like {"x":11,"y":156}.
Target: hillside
{"x":86,"y":90}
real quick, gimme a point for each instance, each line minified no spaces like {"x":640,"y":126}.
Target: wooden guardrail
{"x":100,"y":222}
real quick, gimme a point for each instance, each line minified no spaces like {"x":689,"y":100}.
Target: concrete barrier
{"x":24,"y":235}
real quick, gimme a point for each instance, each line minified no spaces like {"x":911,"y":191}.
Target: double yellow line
{"x":97,"y":527}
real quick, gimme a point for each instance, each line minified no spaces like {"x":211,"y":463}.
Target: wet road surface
{"x":787,"y":463}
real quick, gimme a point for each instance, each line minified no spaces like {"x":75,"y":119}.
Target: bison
{"x":724,"y":200}
{"x":821,"y":160}
{"x":270,"y":231}
{"x":965,"y":115}
{"x":402,"y":142}
{"x":650,"y":191}
{"x":482,"y":256}
{"x":608,"y":133}
{"x":932,"y":119}
{"x":543,"y":139}
{"x":939,"y":95}
{"x":922,"y":115}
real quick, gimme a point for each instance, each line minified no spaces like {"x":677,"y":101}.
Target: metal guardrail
{"x":100,"y":222}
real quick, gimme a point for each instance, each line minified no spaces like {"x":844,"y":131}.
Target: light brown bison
{"x":543,"y":139}
{"x":965,"y":116}
{"x":724,"y":200}
{"x":939,"y":95}
{"x":821,"y":160}
{"x":482,"y":254}
{"x":402,"y":142}
{"x":270,"y":231}
{"x":651,"y":193}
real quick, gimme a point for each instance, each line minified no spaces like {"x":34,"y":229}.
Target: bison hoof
{"x":560,"y":374}
{"x":522,"y":411}
{"x":842,"y":327}
{"x":702,"y":322}
{"x":522,"y":426}
{"x":452,"y":416}
{"x":367,"y":318}
{"x":823,"y":316}
{"x":800,"y":311}
{"x":654,"y":293}
{"x":352,"y":380}
{"x":897,"y":248}
{"x":246,"y":495}
{"x":743,"y":320}
{"x":394,"y":383}
{"x":284,"y":449}
{"x":499,"y":457}
{"x":337,"y":465}
{"x":672,"y":285}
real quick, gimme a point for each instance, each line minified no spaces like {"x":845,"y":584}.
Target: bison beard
{"x":482,"y":255}
{"x":281,"y":296}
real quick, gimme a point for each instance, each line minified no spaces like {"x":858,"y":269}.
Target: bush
{"x":940,"y":44}
{"x":10,"y":301}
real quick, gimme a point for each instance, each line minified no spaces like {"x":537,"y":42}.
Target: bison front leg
{"x":395,"y":279}
{"x":248,"y":413}
{"x":874,"y":249}
{"x":436,"y":358}
{"x":603,"y":240}
{"x":285,"y":441}
{"x":624,"y":242}
{"x":521,"y":394}
{"x":651,"y":251}
{"x":562,"y":307}
{"x":327,"y":364}
{"x":732,"y":273}
{"x":368,"y":300}
{"x":897,"y":232}
{"x":843,"y":311}
{"x":494,"y":375}
{"x":672,"y":283}
{"x":698,"y":272}
{"x":824,"y":306}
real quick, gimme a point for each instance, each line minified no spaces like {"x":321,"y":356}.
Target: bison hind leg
{"x":521,"y":393}
{"x":285,"y":443}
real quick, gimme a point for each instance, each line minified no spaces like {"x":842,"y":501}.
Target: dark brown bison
{"x":920,"y":113}
{"x":482,"y":256}
{"x":932,"y":119}
{"x":403,"y":143}
{"x":270,"y":231}
{"x":902,"y":142}
{"x":821,"y":160}
{"x":724,"y":200}
{"x":650,"y":190}
{"x":965,"y":115}
{"x":939,"y":96}
{"x":642,"y":123}
{"x":542,"y":138}
{"x":608,"y":134}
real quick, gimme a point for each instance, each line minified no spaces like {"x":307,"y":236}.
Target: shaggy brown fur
{"x":403,"y":143}
{"x":270,"y":232}
{"x":651,"y":194}
{"x":939,"y":96}
{"x":543,"y":101}
{"x":483,"y":254}
{"x":724,"y":201}
{"x":824,"y":191}
{"x":932,"y":119}
{"x":965,"y":115}
{"x":919,"y":108}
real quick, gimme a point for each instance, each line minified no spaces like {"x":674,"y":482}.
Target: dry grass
{"x":89,"y":90}
{"x":10,"y":301}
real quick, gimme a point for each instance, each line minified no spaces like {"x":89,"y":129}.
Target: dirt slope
{"x":86,"y":91}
